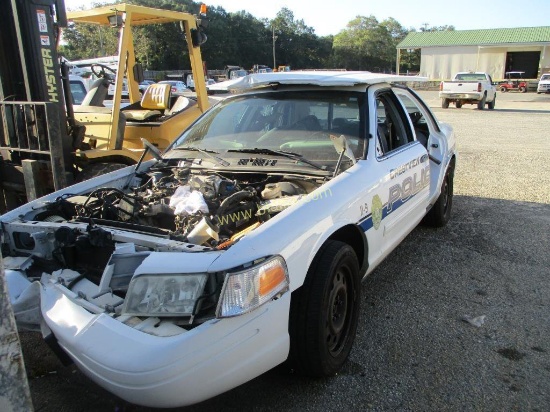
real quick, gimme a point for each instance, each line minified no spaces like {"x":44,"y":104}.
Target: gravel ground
{"x":415,"y":349}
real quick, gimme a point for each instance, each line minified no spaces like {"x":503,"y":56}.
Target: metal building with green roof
{"x":495,"y":51}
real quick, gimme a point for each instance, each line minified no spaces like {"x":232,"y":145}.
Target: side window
{"x":393,"y":130}
{"x":419,"y":116}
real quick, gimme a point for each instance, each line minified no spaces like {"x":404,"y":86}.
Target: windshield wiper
{"x":290,"y":155}
{"x":206,"y":152}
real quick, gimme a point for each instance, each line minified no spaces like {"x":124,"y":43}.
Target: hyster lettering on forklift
{"x":46,"y":143}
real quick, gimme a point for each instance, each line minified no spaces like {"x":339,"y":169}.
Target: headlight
{"x":250,"y":288}
{"x":163,"y":295}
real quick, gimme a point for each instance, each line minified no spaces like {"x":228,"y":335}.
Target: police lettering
{"x":410,"y":186}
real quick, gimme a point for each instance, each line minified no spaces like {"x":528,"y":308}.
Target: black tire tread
{"x":305,"y":305}
{"x":437,"y":217}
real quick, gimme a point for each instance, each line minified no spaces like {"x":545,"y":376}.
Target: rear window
{"x":470,"y":76}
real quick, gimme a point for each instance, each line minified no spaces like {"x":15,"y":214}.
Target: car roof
{"x":316,"y":78}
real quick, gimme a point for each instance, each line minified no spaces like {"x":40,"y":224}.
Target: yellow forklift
{"x":113,"y":135}
{"x":46,"y":142}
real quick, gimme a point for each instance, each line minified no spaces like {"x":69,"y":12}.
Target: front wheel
{"x":503,"y":89}
{"x":324,"y":312}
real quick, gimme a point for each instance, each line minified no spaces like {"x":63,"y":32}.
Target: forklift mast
{"x":32,"y":100}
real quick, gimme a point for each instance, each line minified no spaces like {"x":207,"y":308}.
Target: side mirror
{"x":138,"y":73}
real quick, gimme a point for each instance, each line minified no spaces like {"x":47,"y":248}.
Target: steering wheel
{"x":104,"y":72}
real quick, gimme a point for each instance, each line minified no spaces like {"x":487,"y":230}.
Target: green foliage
{"x":367,"y":44}
{"x":242,"y":39}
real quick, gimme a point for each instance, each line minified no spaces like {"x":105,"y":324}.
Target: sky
{"x":330,"y":17}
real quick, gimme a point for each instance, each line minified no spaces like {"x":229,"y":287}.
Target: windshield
{"x":298,"y":122}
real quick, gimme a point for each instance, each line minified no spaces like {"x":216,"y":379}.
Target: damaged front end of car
{"x":133,"y":255}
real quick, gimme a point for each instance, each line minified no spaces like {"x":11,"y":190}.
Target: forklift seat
{"x":155,"y":100}
{"x":97,"y":93}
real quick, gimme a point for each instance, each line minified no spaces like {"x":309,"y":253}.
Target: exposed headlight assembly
{"x":250,"y":288}
{"x":164,"y":295}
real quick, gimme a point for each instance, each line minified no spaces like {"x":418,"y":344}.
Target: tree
{"x":365,"y":44}
{"x":296,"y":43}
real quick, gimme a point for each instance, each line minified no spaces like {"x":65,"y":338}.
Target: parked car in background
{"x":79,"y":88}
{"x":177,"y":86}
{"x":242,"y":246}
{"x":544,"y":84}
{"x":145,"y":84}
{"x":468,"y":88}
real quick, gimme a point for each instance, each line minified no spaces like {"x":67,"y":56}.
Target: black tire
{"x":522,"y":89}
{"x":440,"y":213}
{"x":445,"y":103}
{"x":97,"y":169}
{"x":481,"y":103}
{"x":324,"y":312}
{"x":503,"y":89}
{"x":491,"y":104}
{"x":458,"y":104}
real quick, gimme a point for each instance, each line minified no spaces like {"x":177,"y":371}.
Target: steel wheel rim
{"x":339,"y":312}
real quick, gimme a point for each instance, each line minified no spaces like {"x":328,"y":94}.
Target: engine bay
{"x":211,"y":209}
{"x":91,"y":243}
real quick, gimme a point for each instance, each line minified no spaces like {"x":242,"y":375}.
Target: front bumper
{"x":169,"y":371}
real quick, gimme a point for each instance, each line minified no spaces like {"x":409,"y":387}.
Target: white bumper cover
{"x":169,"y":371}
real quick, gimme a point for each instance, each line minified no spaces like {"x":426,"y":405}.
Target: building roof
{"x":484,"y":37}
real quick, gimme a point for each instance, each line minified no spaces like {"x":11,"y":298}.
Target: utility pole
{"x":274,"y":38}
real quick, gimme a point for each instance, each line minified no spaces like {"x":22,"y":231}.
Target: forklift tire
{"x":97,"y":169}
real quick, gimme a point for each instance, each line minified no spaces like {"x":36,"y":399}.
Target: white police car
{"x":240,"y":247}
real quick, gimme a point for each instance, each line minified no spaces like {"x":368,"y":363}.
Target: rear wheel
{"x":491,"y":104}
{"x":440,"y":213}
{"x":522,"y":89}
{"x":97,"y":169}
{"x":325,"y":311}
{"x":458,"y":104}
{"x":481,"y":103}
{"x":445,"y":103}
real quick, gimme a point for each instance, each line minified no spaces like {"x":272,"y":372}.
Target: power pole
{"x":274,"y":38}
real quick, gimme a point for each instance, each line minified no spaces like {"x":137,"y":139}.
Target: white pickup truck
{"x":468,"y":88}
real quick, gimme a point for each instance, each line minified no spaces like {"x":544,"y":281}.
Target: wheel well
{"x":355,"y":237}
